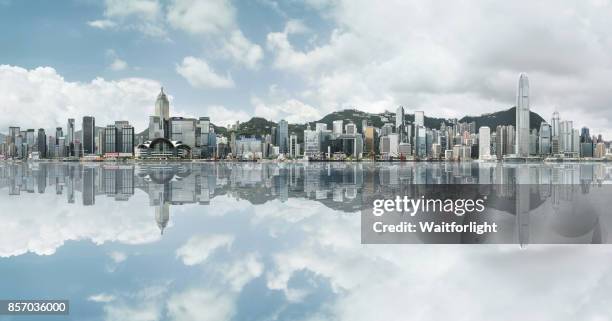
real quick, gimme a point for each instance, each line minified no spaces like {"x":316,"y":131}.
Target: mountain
{"x":505,"y":117}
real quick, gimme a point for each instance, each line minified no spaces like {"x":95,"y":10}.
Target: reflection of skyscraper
{"x":162,"y":216}
{"x":522,"y":117}
{"x":89,"y":186}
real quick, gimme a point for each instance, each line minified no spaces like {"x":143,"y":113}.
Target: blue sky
{"x":300,"y":60}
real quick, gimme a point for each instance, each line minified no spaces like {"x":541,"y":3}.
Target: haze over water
{"x":251,"y":241}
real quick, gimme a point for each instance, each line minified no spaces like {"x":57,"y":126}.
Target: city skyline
{"x":300,"y":61}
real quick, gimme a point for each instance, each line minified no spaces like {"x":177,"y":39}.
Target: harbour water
{"x":251,"y":241}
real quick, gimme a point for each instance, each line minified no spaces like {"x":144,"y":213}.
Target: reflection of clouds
{"x":199,"y":247}
{"x":101,"y":298}
{"x":48,"y":222}
{"x":201,"y":304}
{"x":143,"y":305}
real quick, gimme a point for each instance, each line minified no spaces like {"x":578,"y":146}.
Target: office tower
{"x":294,"y":147}
{"x":110,"y":139}
{"x":389,"y":145}
{"x":387,"y":129}
{"x":30,"y":139}
{"x":183,"y":130}
{"x":545,"y":139}
{"x":70,"y":136}
{"x":89,"y":135}
{"x":420,"y":142}
{"x":58,"y":133}
{"x":156,"y":127}
{"x":282,"y":133}
{"x":370,"y":138}
{"x":522,"y":117}
{"x":399,"y":118}
{"x":14,"y":132}
{"x":419,"y":118}
{"x":162,"y":106}
{"x":337,"y":127}
{"x":42,"y":143}
{"x":350,"y":129}
{"x":321,"y":127}
{"x":600,"y":150}
{"x":555,"y":125}
{"x":484,"y":142}
{"x":312,"y":142}
{"x":566,"y":128}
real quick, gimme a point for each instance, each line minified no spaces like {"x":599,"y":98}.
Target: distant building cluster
{"x":170,"y":137}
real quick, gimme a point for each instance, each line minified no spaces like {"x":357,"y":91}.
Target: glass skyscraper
{"x":522,"y":117}
{"x":89,"y":135}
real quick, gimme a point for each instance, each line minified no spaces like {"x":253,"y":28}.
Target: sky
{"x":299,"y":60}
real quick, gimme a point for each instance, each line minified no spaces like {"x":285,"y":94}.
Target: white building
{"x":484,"y":143}
{"x":337,"y":128}
{"x":522,"y":117}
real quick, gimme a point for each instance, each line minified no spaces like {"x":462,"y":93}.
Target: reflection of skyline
{"x":339,"y":186}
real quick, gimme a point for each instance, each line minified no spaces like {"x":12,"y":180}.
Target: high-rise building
{"x":555,"y":124}
{"x":399,"y":118}
{"x":337,"y":127}
{"x":420,"y":142}
{"x":484,"y":142}
{"x":350,"y":129}
{"x":566,"y":129}
{"x":58,"y":134}
{"x":70,"y":136}
{"x":42,"y":143}
{"x":183,"y":130}
{"x":545,"y":139}
{"x":162,"y":106}
{"x":419,"y":118}
{"x":370,"y":138}
{"x":294,"y":147}
{"x":522,"y":117}
{"x":312,"y":142}
{"x":282,"y":133}
{"x":156,"y":127}
{"x":89,"y":135}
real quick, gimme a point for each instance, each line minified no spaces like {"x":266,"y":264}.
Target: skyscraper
{"x":337,"y":127}
{"x":522,"y":117}
{"x":399,"y":117}
{"x":70,"y":136}
{"x":484,"y":142}
{"x":42,"y":143}
{"x":162,"y":106}
{"x":89,"y":135}
{"x":283,"y":136}
{"x":419,"y":118}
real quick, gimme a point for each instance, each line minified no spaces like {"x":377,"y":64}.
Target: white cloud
{"x":118,"y":257}
{"x":200,"y":75}
{"x":201,"y":16}
{"x":198,"y":248}
{"x":147,"y":9}
{"x":242,"y":50}
{"x":102,"y":298}
{"x":108,"y":221}
{"x":201,"y":304}
{"x":223,"y":116}
{"x":280,"y":105}
{"x":437,"y":57}
{"x":118,"y":64}
{"x":41,"y":98}
{"x":215,"y":19}
{"x":102,"y":24}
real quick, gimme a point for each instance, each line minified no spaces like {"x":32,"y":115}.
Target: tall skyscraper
{"x":399,"y":117}
{"x":70,"y":136}
{"x":555,"y":124}
{"x":484,"y":142}
{"x":162,"y":106}
{"x":283,"y":136}
{"x":42,"y":143}
{"x":522,"y":117}
{"x":545,"y":139}
{"x":89,"y":135}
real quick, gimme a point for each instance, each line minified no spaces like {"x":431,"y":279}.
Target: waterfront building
{"x":484,"y":142}
{"x":42,"y":143}
{"x":337,"y":127}
{"x":294,"y":146}
{"x":545,"y":139}
{"x":389,"y":146}
{"x":420,"y":142}
{"x":156,"y":127}
{"x":405,"y":149}
{"x":89,"y":135}
{"x":312,"y":142}
{"x":183,"y":130}
{"x":282,"y":133}
{"x":370,"y":140}
{"x":522,"y":117}
{"x":162,"y":106}
{"x":350,"y":129}
{"x":70,"y":137}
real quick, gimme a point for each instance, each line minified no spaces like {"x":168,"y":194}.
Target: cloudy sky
{"x":299,"y":60}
